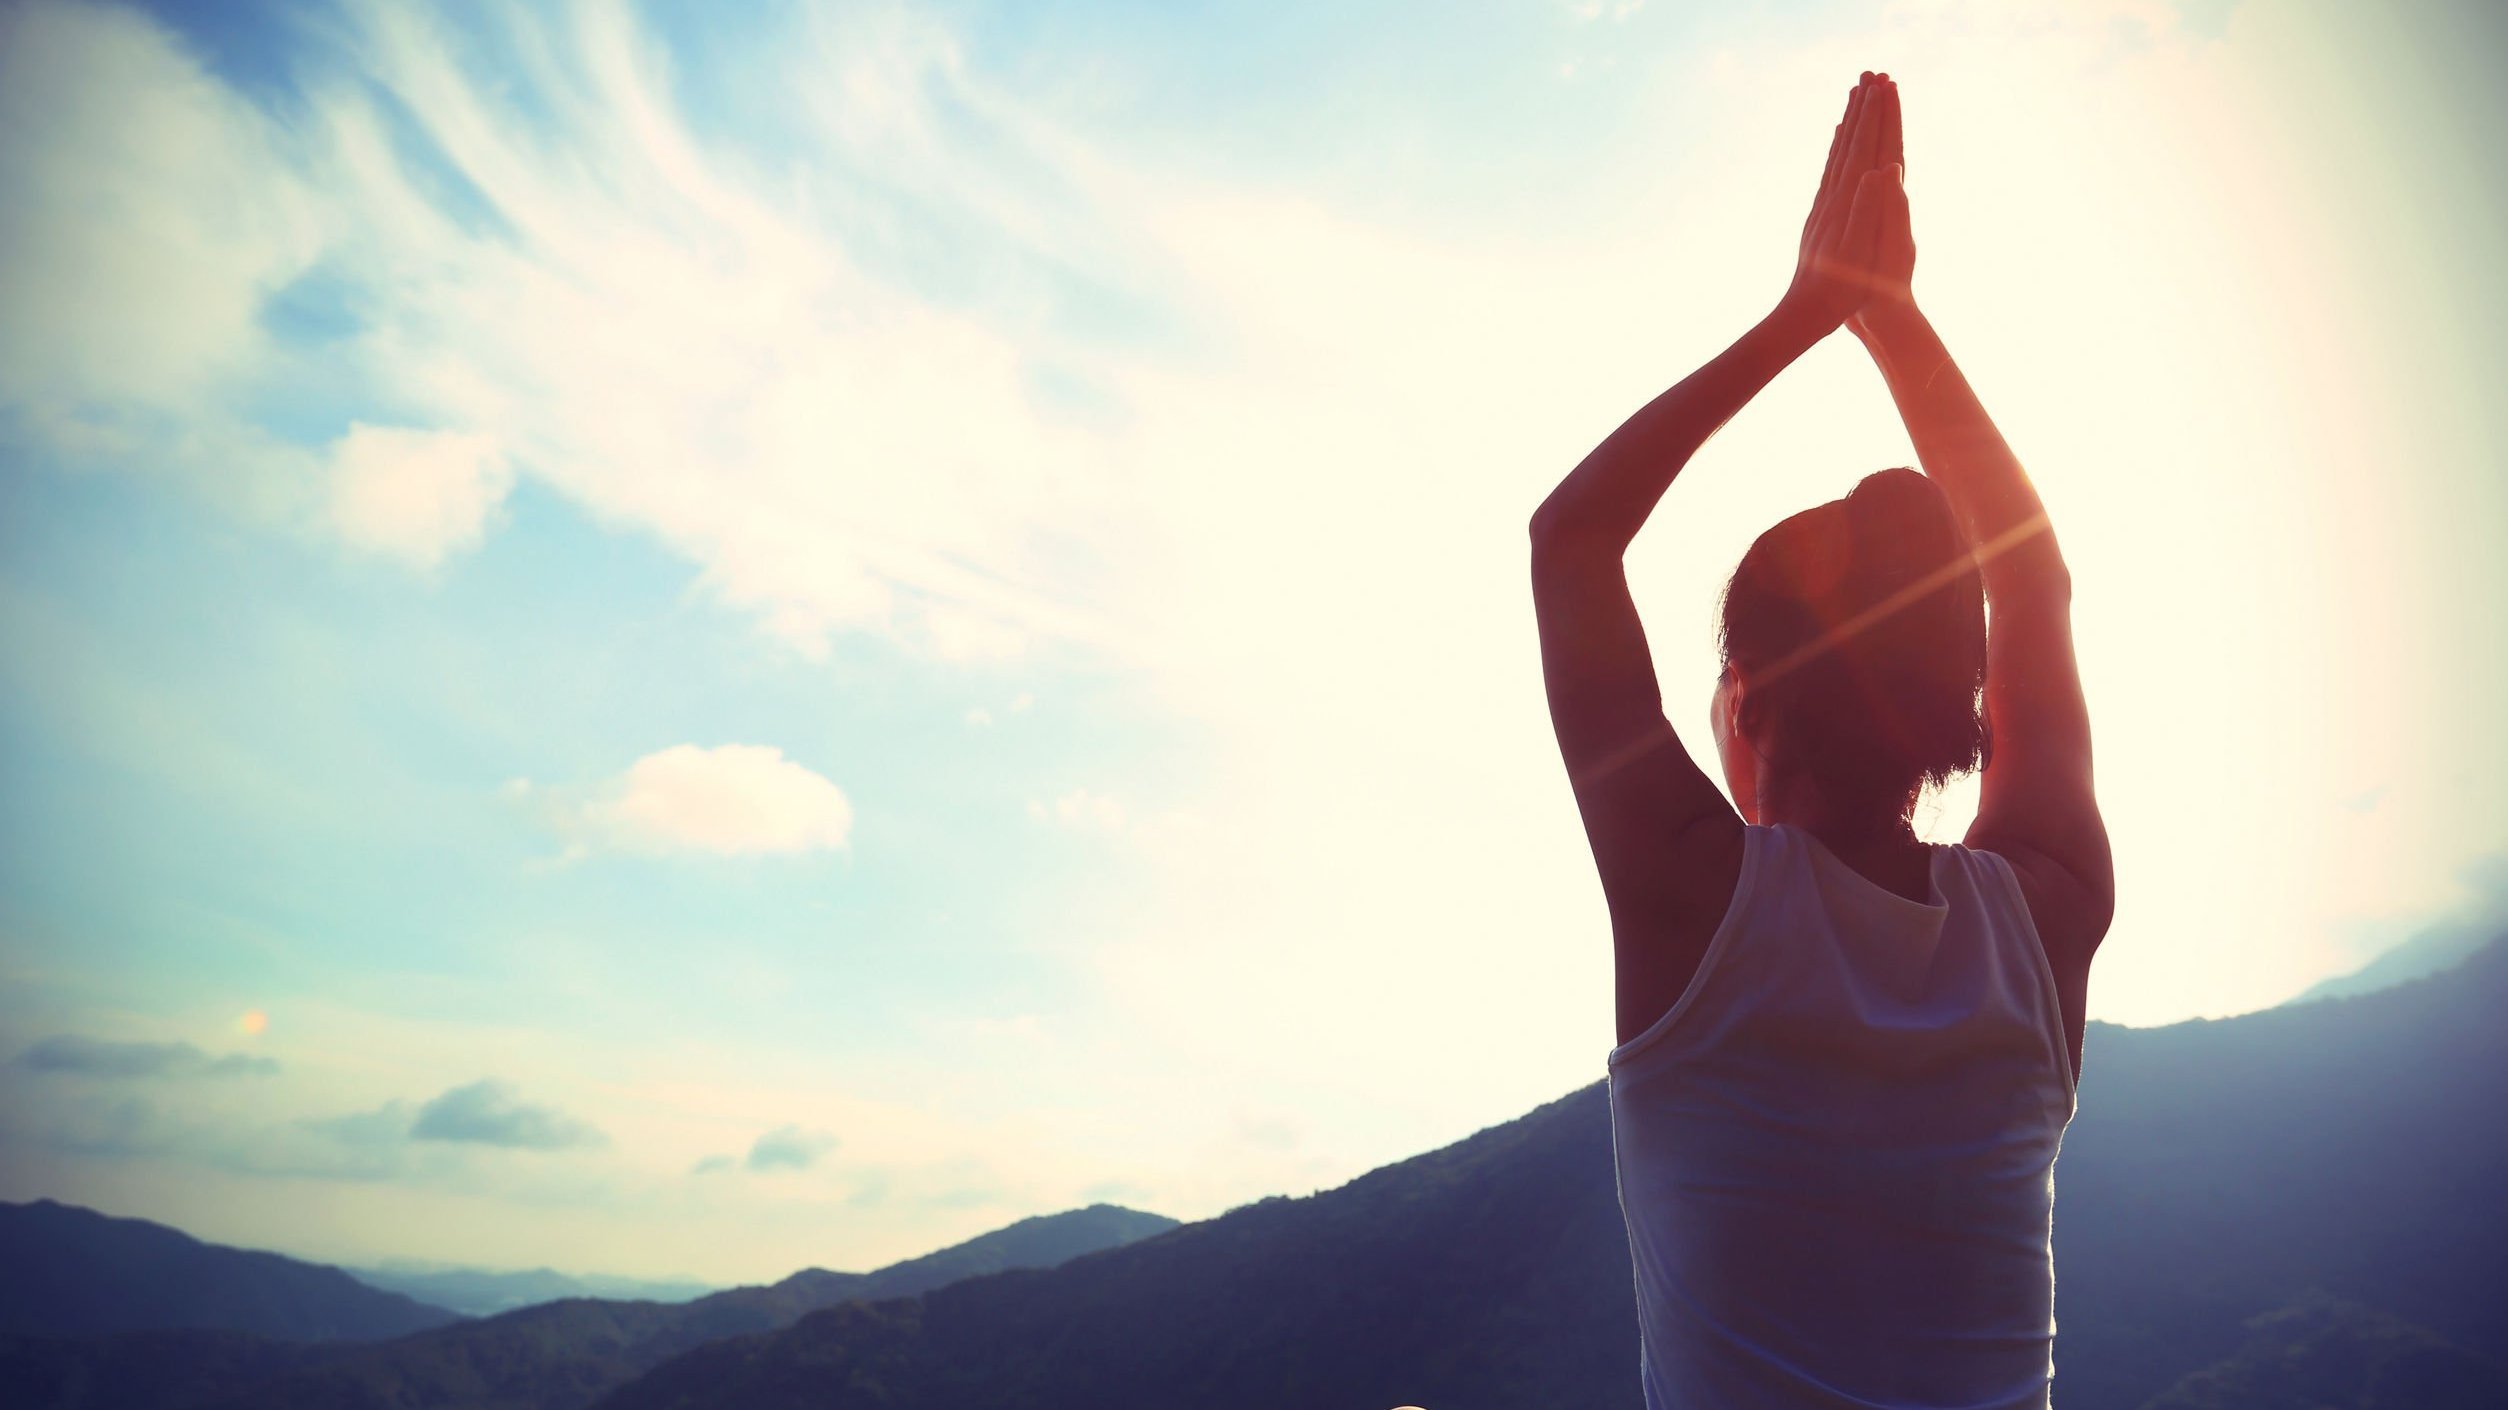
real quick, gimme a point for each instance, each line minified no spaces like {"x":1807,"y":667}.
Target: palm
{"x":1857,"y":251}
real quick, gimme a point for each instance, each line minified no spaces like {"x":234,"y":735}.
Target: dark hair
{"x":1858,"y":630}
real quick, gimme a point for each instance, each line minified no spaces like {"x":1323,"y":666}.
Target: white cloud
{"x":1080,"y":809}
{"x":789,"y":1148}
{"x":732,"y":800}
{"x":415,"y":495}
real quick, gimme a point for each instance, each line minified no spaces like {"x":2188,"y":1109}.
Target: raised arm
{"x":1664,"y":839}
{"x":2037,"y":809}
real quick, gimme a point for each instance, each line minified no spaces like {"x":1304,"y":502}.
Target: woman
{"x":1845,"y":1057}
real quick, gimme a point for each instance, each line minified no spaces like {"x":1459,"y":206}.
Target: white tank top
{"x":1836,"y":1152}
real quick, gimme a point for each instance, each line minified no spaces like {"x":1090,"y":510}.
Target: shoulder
{"x":1661,"y":927}
{"x":2066,"y":870}
{"x":2067,"y":920}
{"x":2069,"y":911}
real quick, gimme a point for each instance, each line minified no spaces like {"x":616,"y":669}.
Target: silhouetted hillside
{"x":66,"y":1270}
{"x":136,"y":1370}
{"x":2218,"y":1171}
{"x":547,"y":1357}
{"x":1491,"y":1272}
{"x":2326,"y":1354}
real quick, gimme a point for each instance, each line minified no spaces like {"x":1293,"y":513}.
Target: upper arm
{"x":1665,"y":841}
{"x":2037,"y":805}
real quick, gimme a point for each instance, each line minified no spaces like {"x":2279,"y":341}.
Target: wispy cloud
{"x":71,"y":1054}
{"x":491,"y":1113}
{"x":1081,"y":809}
{"x":153,"y":210}
{"x":789,"y":1148}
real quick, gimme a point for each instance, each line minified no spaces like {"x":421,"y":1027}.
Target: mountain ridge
{"x":549,"y":1356}
{"x":167,"y":1280}
{"x":2218,"y":1170}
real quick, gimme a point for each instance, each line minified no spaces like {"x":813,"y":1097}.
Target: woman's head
{"x":1853,"y":643}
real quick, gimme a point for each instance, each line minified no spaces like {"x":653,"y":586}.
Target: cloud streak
{"x":789,"y":1148}
{"x":491,"y":1113}
{"x":75,"y":1055}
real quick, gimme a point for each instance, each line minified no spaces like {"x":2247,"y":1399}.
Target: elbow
{"x":1559,"y":532}
{"x":1546,"y":523}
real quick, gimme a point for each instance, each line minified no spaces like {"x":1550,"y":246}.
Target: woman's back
{"x":1837,"y":1108}
{"x":1836,"y":1150}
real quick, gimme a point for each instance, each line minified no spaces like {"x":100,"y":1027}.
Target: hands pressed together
{"x":1858,"y":253}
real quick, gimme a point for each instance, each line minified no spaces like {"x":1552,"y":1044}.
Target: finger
{"x":1859,"y":244}
{"x":1893,"y":131}
{"x":1864,"y":150}
{"x":1837,"y":185}
{"x":1898,"y":236}
{"x":1838,"y":140}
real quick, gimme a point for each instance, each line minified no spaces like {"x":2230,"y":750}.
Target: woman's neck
{"x":1850,"y":830}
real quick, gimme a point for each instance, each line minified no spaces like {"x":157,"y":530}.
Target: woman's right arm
{"x":2038,"y":809}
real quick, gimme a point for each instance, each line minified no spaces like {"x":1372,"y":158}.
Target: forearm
{"x":1961,"y":449}
{"x":1605,"y":500}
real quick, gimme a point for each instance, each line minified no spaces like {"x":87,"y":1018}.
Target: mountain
{"x":1491,"y":1272}
{"x":2326,"y":1354}
{"x":71,"y":1270}
{"x":2434,"y":948}
{"x":2433,"y":951}
{"x":553,"y":1356}
{"x":480,"y":1292}
{"x":2218,"y":1173}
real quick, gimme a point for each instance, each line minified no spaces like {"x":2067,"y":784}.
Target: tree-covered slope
{"x":552,"y":1356}
{"x":66,"y":1270}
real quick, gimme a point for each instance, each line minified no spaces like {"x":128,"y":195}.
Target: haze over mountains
{"x":481,"y":1292}
{"x":2297,"y":1208}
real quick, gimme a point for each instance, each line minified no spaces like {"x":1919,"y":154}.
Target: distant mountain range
{"x":548,"y":1357}
{"x":2299,"y":1209}
{"x":480,"y":1292}
{"x":2433,"y":950}
{"x":2302,"y":1207}
{"x":67,"y":1270}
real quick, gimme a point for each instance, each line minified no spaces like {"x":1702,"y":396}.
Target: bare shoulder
{"x":1663,"y":916}
{"x":2070,"y":899}
{"x":2070,"y":893}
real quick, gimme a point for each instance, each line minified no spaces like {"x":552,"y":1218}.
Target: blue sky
{"x":738,"y":636}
